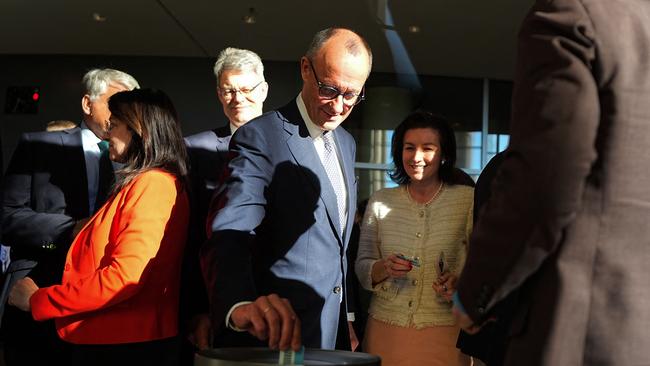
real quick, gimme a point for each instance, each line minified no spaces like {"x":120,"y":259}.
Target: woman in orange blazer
{"x":118,"y":300}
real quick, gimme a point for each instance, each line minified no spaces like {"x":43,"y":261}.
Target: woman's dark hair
{"x":424,"y":119}
{"x":157,"y":141}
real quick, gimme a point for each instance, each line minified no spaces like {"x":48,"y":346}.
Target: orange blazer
{"x":122,"y":272}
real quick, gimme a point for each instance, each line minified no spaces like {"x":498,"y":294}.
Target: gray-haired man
{"x":241,"y":89}
{"x":52,"y":185}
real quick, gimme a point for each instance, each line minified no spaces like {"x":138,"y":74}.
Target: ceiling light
{"x":251,"y":17}
{"x":98,"y":17}
{"x":414,"y":29}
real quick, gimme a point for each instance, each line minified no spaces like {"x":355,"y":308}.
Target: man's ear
{"x":304,"y":68}
{"x":85,"y":105}
{"x":265,"y":90}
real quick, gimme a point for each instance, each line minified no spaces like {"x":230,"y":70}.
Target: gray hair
{"x":96,"y":81}
{"x":238,"y":59}
{"x":354,"y":45}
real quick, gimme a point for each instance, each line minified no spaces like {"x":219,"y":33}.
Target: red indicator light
{"x":35,"y":96}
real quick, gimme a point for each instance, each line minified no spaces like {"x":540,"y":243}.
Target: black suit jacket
{"x":45,"y":192}
{"x":208,"y":154}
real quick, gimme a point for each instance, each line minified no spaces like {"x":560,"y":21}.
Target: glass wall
{"x":479,"y":111}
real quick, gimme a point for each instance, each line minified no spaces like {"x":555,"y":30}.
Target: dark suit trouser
{"x":27,"y":342}
{"x":343,"y":332}
{"x":164,"y":352}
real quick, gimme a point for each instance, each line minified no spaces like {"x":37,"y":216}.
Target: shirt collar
{"x":314,"y":130}
{"x":88,"y":134}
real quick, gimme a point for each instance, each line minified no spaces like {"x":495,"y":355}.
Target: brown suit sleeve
{"x":539,"y":186}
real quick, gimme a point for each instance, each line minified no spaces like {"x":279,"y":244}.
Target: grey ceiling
{"x":466,"y":38}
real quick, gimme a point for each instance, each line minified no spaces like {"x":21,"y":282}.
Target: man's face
{"x":96,"y":113}
{"x":242,"y":95}
{"x":334,"y":67}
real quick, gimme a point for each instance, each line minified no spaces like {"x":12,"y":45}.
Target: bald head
{"x":344,"y":39}
{"x":334,"y":72}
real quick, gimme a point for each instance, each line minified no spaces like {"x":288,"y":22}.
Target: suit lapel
{"x":223,"y":138}
{"x":303,"y":151}
{"x":76,"y":163}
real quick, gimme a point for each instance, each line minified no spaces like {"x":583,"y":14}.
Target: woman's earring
{"x":443,"y":162}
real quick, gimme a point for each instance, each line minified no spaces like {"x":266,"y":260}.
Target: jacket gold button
{"x":337,"y":290}
{"x":418,"y":235}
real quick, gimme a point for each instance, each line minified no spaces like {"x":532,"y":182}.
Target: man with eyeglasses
{"x":241,"y":89}
{"x":275,"y":262}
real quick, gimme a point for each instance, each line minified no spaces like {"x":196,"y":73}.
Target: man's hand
{"x":21,"y":293}
{"x":200,"y":331}
{"x":270,"y":317}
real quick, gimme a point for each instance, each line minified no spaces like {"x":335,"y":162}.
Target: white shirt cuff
{"x":229,"y":324}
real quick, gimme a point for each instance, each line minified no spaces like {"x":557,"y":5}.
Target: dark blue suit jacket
{"x":45,"y":190}
{"x":208,"y":155}
{"x":276,"y":230}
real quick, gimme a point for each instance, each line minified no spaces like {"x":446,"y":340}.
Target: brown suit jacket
{"x":568,"y":224}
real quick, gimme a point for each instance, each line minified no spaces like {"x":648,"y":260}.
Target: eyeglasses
{"x":329,"y":92}
{"x":245,"y":92}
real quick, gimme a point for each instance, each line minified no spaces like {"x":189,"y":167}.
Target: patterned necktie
{"x":106,"y":176}
{"x":332,"y":167}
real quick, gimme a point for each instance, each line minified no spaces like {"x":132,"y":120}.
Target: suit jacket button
{"x":337,"y":290}
{"x":481,"y":310}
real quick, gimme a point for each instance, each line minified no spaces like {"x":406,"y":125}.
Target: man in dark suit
{"x":567,"y":223}
{"x":52,"y":185}
{"x":242,"y":90}
{"x":279,"y":239}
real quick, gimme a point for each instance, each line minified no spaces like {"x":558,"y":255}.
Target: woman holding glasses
{"x":412,"y":248}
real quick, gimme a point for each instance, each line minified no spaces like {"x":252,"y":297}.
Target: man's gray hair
{"x":96,"y":81}
{"x":354,"y":45}
{"x":238,"y":59}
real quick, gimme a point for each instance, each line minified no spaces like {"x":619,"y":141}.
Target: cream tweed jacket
{"x":394,"y":223}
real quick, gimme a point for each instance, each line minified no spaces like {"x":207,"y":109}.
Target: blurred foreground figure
{"x":567,"y":223}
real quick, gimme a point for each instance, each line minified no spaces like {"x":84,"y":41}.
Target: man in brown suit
{"x":568,"y":223}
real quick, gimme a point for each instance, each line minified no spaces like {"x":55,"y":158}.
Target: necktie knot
{"x":103,"y":146}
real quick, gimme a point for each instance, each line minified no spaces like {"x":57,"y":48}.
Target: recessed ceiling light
{"x":98,"y":17}
{"x":414,"y":29}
